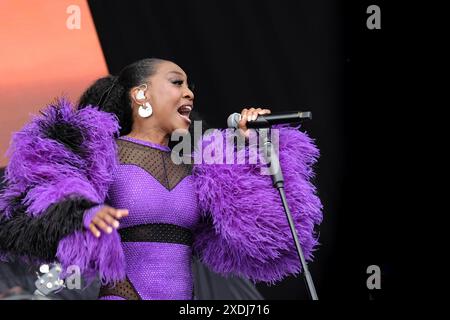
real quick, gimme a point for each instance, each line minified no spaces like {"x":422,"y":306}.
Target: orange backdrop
{"x":41,"y":58}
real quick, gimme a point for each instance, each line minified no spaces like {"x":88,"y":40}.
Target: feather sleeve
{"x":244,"y":230}
{"x":60,"y":167}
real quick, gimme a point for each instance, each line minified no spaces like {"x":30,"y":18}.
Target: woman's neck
{"x":150,"y":135}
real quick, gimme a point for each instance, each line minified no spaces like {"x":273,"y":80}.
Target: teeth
{"x":188,"y":108}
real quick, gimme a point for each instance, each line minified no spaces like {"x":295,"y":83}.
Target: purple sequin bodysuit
{"x":157,"y":233}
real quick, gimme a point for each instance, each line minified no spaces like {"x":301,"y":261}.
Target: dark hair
{"x":110,"y":93}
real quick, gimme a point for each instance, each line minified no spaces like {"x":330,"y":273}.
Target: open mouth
{"x":184,"y":112}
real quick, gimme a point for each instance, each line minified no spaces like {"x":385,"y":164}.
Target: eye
{"x":178,"y":82}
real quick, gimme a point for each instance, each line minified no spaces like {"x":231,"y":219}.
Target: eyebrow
{"x":177,"y":72}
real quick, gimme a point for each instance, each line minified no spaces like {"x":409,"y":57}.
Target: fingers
{"x":265,"y":111}
{"x":101,"y":223}
{"x":118,"y":213}
{"x":259,"y":111}
{"x":243,"y":122}
{"x":250,"y":115}
{"x":253,"y":113}
{"x":106,"y":219}
{"x":111,"y":221}
{"x":94,"y":230}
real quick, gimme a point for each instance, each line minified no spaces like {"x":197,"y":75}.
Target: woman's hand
{"x":250,"y":115}
{"x":105,"y":219}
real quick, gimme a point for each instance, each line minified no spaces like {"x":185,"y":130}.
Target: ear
{"x":137,"y":95}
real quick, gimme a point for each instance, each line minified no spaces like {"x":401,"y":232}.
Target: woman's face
{"x":170,"y":97}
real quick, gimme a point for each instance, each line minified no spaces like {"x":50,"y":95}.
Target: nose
{"x":188,"y":94}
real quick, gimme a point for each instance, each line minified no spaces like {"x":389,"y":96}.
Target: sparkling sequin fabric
{"x":155,"y":191}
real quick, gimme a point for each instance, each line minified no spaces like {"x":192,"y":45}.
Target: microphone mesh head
{"x":233,"y":120}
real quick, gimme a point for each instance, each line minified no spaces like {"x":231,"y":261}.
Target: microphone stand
{"x":278,"y":183}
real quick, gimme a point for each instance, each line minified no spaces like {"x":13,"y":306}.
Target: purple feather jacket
{"x":245,"y":231}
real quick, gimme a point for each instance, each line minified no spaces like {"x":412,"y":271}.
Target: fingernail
{"x":109,"y":230}
{"x":98,"y":234}
{"x":116,"y":224}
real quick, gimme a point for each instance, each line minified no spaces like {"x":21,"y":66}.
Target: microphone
{"x":268,"y":120}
